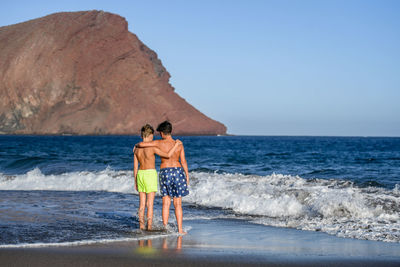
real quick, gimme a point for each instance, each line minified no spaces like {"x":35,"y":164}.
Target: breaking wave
{"x":337,"y":207}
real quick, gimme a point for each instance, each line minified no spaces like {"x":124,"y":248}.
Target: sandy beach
{"x":241,"y":214}
{"x":220,"y":242}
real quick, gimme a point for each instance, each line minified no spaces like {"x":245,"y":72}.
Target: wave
{"x":337,"y":207}
{"x":106,"y":180}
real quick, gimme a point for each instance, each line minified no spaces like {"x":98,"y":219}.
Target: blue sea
{"x":63,"y":190}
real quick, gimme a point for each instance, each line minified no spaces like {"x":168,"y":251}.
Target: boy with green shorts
{"x":146,"y":178}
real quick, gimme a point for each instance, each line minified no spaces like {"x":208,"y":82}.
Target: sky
{"x":281,"y":67}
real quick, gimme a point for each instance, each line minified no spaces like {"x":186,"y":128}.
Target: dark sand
{"x":216,"y":243}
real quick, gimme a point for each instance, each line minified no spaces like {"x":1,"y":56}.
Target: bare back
{"x":146,"y":158}
{"x":173,"y":161}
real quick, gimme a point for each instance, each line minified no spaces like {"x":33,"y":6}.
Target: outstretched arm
{"x":135,"y":168}
{"x":184,"y":164}
{"x":170,"y":152}
{"x":147,"y":144}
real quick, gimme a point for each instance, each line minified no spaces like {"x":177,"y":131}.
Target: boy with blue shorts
{"x":146,"y":176}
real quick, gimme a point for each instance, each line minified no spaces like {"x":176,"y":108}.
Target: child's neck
{"x":167,"y":137}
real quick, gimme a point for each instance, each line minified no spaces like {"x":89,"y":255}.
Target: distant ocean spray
{"x":58,"y":190}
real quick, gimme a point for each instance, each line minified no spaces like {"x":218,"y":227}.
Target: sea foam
{"x":106,"y":180}
{"x":337,"y":207}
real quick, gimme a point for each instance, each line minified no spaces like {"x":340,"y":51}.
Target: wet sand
{"x":219,"y":242}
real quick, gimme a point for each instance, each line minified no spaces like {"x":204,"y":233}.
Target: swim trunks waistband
{"x":171,"y":168}
{"x":147,"y":170}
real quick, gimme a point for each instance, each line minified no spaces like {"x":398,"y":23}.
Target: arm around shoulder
{"x":174,"y":148}
{"x":147,"y":144}
{"x":170,"y":152}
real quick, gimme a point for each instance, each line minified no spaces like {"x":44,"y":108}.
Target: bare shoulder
{"x":154,"y":149}
{"x":180,"y":147}
{"x":155,"y":143}
{"x":162,"y":143}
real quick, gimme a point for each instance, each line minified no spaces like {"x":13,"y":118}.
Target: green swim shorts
{"x":147,"y":181}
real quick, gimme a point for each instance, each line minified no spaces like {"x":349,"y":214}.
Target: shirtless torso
{"x":146,"y":157}
{"x":178,"y":157}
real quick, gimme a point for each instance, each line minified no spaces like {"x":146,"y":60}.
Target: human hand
{"x":179,"y":142}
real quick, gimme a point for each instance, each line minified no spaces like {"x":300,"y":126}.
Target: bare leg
{"x":165,"y":209}
{"x":149,"y":204}
{"x":142,"y":205}
{"x":178,"y":213}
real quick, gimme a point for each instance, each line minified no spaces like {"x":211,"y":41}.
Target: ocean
{"x":66,"y":190}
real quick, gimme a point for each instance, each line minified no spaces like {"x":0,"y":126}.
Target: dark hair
{"x":165,"y":127}
{"x":146,"y":130}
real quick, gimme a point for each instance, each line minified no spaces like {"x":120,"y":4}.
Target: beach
{"x":277,"y":201}
{"x":218,"y":242}
{"x":270,"y":126}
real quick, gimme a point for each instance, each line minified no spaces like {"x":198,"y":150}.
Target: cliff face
{"x":85,"y":73}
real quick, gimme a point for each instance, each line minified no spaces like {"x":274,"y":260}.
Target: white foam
{"x":396,"y":189}
{"x":86,"y":242}
{"x":97,"y":241}
{"x":243,"y":194}
{"x":333,"y":206}
{"x":106,"y":180}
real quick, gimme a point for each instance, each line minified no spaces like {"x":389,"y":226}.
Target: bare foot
{"x":182,"y":233}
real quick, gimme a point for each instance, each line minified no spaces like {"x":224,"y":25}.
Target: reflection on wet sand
{"x":146,"y":248}
{"x":152,"y":247}
{"x":178,"y":243}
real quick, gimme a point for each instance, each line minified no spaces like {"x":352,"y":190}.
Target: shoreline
{"x":218,"y":242}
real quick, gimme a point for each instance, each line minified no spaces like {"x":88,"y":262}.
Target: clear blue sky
{"x":269,"y":67}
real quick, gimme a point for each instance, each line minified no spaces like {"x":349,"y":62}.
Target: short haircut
{"x":146,"y":130}
{"x":165,"y":127}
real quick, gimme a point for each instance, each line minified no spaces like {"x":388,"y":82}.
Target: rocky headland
{"x":84,"y":73}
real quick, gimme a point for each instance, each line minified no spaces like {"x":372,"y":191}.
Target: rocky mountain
{"x":85,"y":73}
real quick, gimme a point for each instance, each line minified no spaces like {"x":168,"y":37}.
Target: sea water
{"x":79,"y":189}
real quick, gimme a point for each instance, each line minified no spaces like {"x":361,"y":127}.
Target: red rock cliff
{"x":85,"y":73}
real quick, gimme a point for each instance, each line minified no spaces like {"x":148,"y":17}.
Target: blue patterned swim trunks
{"x":173,"y":182}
